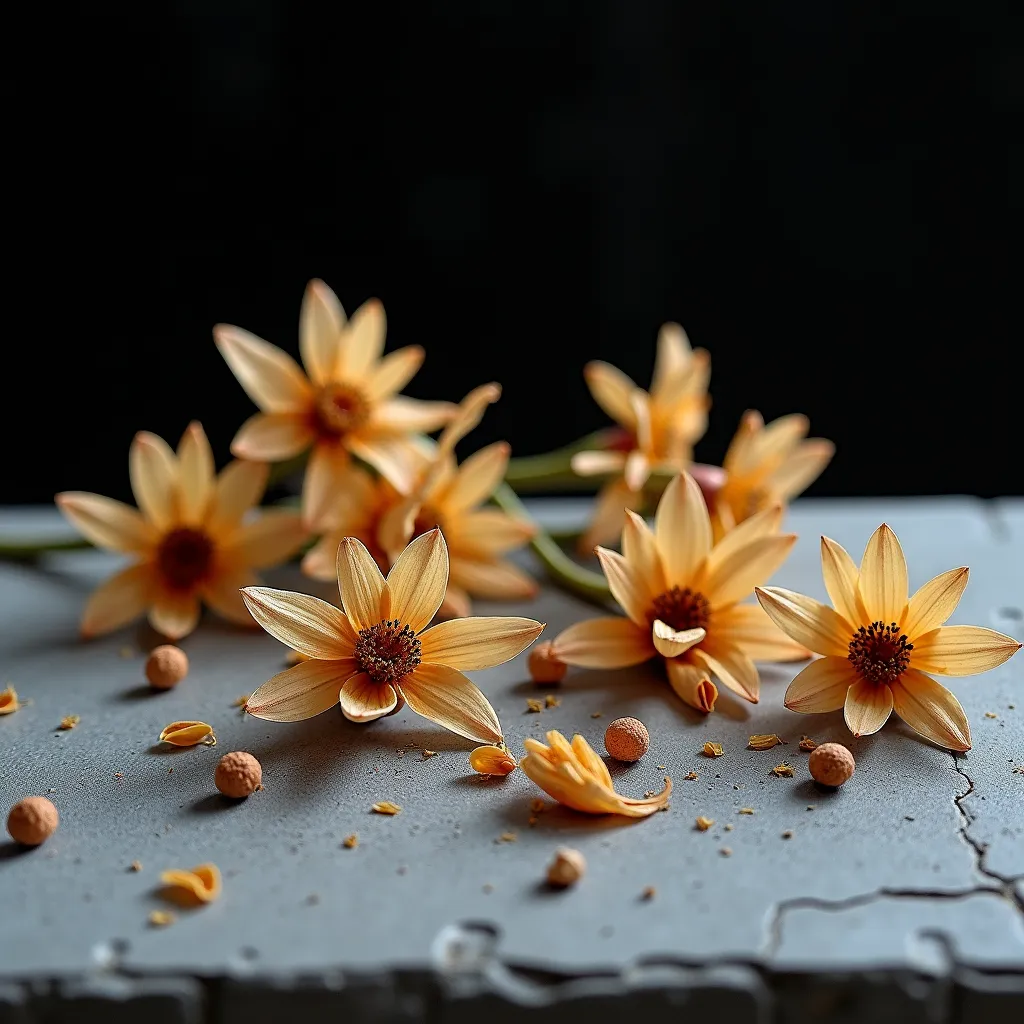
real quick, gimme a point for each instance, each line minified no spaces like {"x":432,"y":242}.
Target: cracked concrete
{"x":900,"y":890}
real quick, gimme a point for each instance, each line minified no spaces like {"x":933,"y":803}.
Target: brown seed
{"x":32,"y":820}
{"x":350,"y":842}
{"x":238,"y":774}
{"x":807,"y":744}
{"x":544,"y":666}
{"x":567,"y":868}
{"x":627,"y":739}
{"x":166,"y":666}
{"x":831,"y":764}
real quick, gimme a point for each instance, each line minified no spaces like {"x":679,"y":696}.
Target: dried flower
{"x":166,"y":666}
{"x":386,"y":807}
{"x":544,"y":666}
{"x":490,"y":760}
{"x":69,"y":722}
{"x":763,"y":741}
{"x":188,"y":734}
{"x":350,"y":842}
{"x":831,"y":764}
{"x":783,"y":771}
{"x":191,"y":888}
{"x":191,"y":538}
{"x":568,"y":867}
{"x":380,"y":654}
{"x":347,"y":405}
{"x":680,"y":594}
{"x":575,"y":776}
{"x":767,"y":465}
{"x":9,"y":701}
{"x":703,"y":824}
{"x":878,"y":645}
{"x":712,"y":749}
{"x":661,"y":426}
{"x":238,"y":775}
{"x":627,"y":739}
{"x":161,"y":918}
{"x":32,"y":821}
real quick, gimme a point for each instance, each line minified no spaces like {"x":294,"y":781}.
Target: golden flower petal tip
{"x":575,"y":776}
{"x":200,"y":885}
{"x":9,"y":701}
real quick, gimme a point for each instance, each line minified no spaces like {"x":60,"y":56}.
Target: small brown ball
{"x":568,"y":867}
{"x":627,"y":739}
{"x":166,"y":666}
{"x":32,"y":820}
{"x":831,"y":764}
{"x":238,"y":774}
{"x":544,"y":666}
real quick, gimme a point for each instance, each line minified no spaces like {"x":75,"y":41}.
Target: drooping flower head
{"x":662,"y":427}
{"x":190,"y":537}
{"x":378,"y":653}
{"x":446,"y":495}
{"x":681,"y":595}
{"x":767,"y":465}
{"x":878,"y":646}
{"x":347,"y":402}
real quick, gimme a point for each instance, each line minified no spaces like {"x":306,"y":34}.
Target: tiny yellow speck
{"x":507,"y":837}
{"x":350,"y":842}
{"x":729,"y":827}
{"x":726,"y":851}
{"x":991,"y":714}
{"x":69,"y":721}
{"x":161,"y":918}
{"x":712,"y":749}
{"x":763,"y":741}
{"x":703,"y":824}
{"x":386,"y":807}
{"x":807,"y":744}
{"x":783,"y":771}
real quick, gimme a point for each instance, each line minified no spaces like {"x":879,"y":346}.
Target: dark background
{"x":826,"y":196}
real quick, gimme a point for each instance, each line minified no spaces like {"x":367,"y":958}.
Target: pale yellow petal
{"x":154,"y":475}
{"x":735,"y":577}
{"x":418,"y":579}
{"x":692,"y":684}
{"x":883,"y":577}
{"x":683,"y":530}
{"x":363,"y":700}
{"x":636,"y":463}
{"x":306,"y":624}
{"x":468,"y":414}
{"x":402,"y":415}
{"x":395,"y":527}
{"x":842,"y":578}
{"x":777,"y":440}
{"x":118,"y":601}
{"x":810,"y":623}
{"x":327,"y":475}
{"x":479,"y":642}
{"x":393,"y":372}
{"x":273,"y":436}
{"x":763,"y":524}
{"x":110,"y":524}
{"x":934,"y":602}
{"x":867,"y":708}
{"x":239,"y":487}
{"x":800,"y":469}
{"x":632,"y":592}
{"x":478,"y":477}
{"x":670,"y":643}
{"x":732,"y":666}
{"x":961,"y":650}
{"x":321,"y":320}
{"x":748,"y":626}
{"x":223,"y":594}
{"x":364,"y":591}
{"x":609,"y":514}
{"x":494,"y":580}
{"x":271,"y":378}
{"x":637,"y":470}
{"x":613,"y":391}
{"x":362,"y":342}
{"x":741,"y":456}
{"x":640,"y":550}
{"x":268,"y":540}
{"x":196,"y":473}
{"x":174,"y":614}
{"x":930,"y":709}
{"x":604,"y":643}
{"x":821,"y":686}
{"x":588,"y":757}
{"x":399,"y":459}
{"x":488,"y":532}
{"x":672,"y":362}
{"x":445,"y":696}
{"x":598,"y":463}
{"x":301,"y":692}
{"x":320,"y":562}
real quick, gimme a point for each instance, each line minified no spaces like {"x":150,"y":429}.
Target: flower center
{"x":880,"y":653}
{"x":681,"y":609}
{"x":184,"y":558}
{"x":387,"y":651}
{"x":340,"y":409}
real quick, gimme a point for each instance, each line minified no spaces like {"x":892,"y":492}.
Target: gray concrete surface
{"x":900,"y":896}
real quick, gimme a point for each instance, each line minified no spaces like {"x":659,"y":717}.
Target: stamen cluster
{"x":682,"y":608}
{"x":387,"y":651}
{"x":880,"y":653}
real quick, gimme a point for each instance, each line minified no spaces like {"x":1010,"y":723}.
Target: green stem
{"x":586,"y":584}
{"x":26,"y":549}
{"x":552,"y":471}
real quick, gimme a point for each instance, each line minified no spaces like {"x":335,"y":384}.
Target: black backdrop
{"x":826,"y":196}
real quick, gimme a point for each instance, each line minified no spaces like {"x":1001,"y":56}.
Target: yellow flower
{"x":446,"y":495}
{"x":878,"y":645}
{"x":767,"y":465}
{"x":575,"y":776}
{"x":681,"y":593}
{"x":378,"y":654}
{"x":347,"y":405}
{"x":662,"y":425}
{"x":188,"y":537}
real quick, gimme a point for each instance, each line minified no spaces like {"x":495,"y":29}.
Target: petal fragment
{"x":692,"y":684}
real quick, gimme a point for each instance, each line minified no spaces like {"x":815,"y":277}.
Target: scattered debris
{"x":201,"y":884}
{"x":487,"y":887}
{"x":538,"y":806}
{"x":729,"y":827}
{"x":188,"y":734}
{"x":726,"y":851}
{"x":350,"y":842}
{"x":136,"y":866}
{"x":712,"y":749}
{"x":386,"y":807}
{"x":568,"y":867}
{"x":126,"y":652}
{"x":991,"y":714}
{"x":692,"y":777}
{"x":788,"y":834}
{"x":763,"y":741}
{"x":161,"y":918}
{"x":507,"y":837}
{"x":783,"y":771}
{"x":69,"y":722}
{"x":703,"y":824}
{"x":534,"y":705}
{"x":746,"y":810}
{"x":551,"y":701}
{"x":807,"y":744}
{"x":491,"y":760}
{"x":427,"y":754}
{"x":649,"y":893}
{"x":597,"y":714}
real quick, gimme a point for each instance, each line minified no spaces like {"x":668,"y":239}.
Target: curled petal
{"x":301,"y":692}
{"x":868,"y":706}
{"x":363,"y":700}
{"x":930,"y":709}
{"x":478,"y":642}
{"x":670,"y":643}
{"x":604,"y":643}
{"x":733,"y":667}
{"x":962,"y":650}
{"x":692,"y":684}
{"x":808,"y":622}
{"x":306,"y":624}
{"x":821,"y":687}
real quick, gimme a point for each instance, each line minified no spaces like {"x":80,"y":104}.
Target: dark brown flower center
{"x":184,"y":558}
{"x":387,"y":651}
{"x":681,"y":608}
{"x":880,"y":653}
{"x":340,"y":409}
